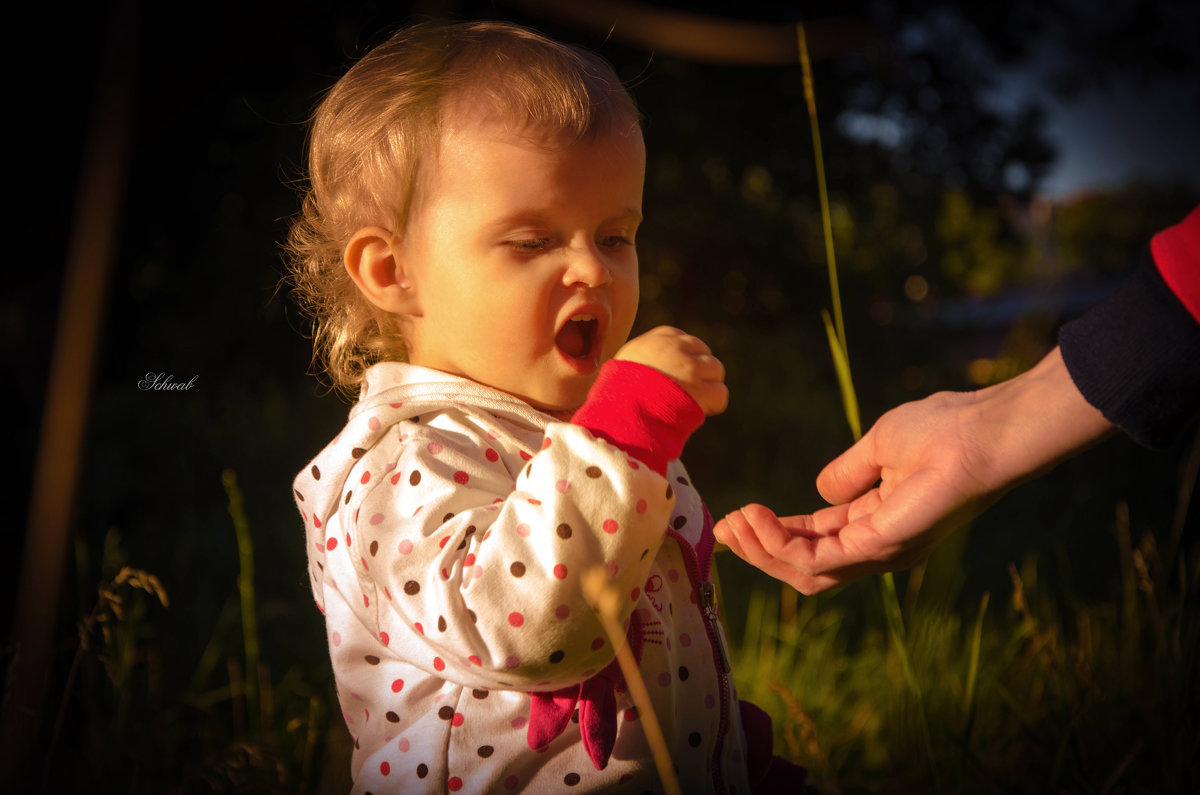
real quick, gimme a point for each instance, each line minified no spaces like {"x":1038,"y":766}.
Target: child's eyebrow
{"x":541,"y":216}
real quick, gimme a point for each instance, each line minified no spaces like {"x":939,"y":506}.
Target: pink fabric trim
{"x":1176,"y":252}
{"x":642,"y":411}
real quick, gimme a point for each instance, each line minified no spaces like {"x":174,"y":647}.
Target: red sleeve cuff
{"x":1176,"y":252}
{"x":642,"y":411}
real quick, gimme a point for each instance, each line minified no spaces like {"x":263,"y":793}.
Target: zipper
{"x":706,"y":593}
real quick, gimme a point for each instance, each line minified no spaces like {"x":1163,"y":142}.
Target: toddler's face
{"x":522,"y":260}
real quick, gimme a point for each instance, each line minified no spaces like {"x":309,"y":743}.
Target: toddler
{"x":467,"y":251}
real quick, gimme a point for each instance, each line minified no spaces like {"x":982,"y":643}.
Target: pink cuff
{"x":642,"y":411}
{"x":1176,"y":252}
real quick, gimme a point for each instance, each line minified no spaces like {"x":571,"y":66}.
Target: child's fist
{"x":684,"y":358}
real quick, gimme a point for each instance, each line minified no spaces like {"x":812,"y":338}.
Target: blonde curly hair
{"x":378,"y":125}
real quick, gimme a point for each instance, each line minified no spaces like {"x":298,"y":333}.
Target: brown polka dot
{"x":557,"y":656}
{"x":517,"y":569}
{"x":470,"y":530}
{"x":592,"y":472}
{"x":485,"y":751}
{"x":679,"y":522}
{"x":422,"y":770}
{"x":374,"y":548}
{"x":683,"y":673}
{"x":461,"y":545}
{"x":412,"y":587}
{"x":299,"y":496}
{"x":480,"y":694}
{"x":371,"y":659}
{"x":571,"y":779}
{"x":392,"y":717}
{"x":694,"y":739}
{"x":357,"y":452}
{"x":348,"y":494}
{"x":575,"y":717}
{"x":682,"y":479}
{"x":446,"y":713}
{"x":441,"y":623}
{"x":564,"y":531}
{"x":473,"y":617}
{"x":414,"y":478}
{"x":670,"y":491}
{"x":447,"y":517}
{"x":316,"y":473}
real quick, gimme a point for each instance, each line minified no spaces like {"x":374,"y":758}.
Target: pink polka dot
{"x":438,"y":664}
{"x":420,"y":629}
{"x":396,"y":477}
{"x":673,"y":575}
{"x":434,"y":448}
{"x":685,"y":640}
{"x":387,"y":593}
{"x":523,"y":530}
{"x":491,"y":455}
{"x":403,"y":745}
{"x":406,"y":547}
{"x":347,"y":539}
{"x":534,"y":501}
{"x":316,"y":520}
{"x":635,"y":593}
{"x":366,"y":478}
{"x":336,"y":639}
{"x":397,"y":685}
{"x":461,"y":477}
{"x":443,"y":542}
{"x":457,"y":720}
{"x":641,"y":506}
{"x":710,"y":700}
{"x":545,"y":443}
{"x":373,"y":423}
{"x":512,"y":782}
{"x":512,"y":661}
{"x":454,"y":784}
{"x":633,"y":465}
{"x":610,"y":526}
{"x":664,"y":679}
{"x":383,"y":638}
{"x":474,"y":660}
{"x":631,"y":715}
{"x":562,"y":611}
{"x":516,"y":619}
{"x":560,"y":571}
{"x":519,"y":722}
{"x":625,"y":778}
{"x":562,"y":486}
{"x":385,"y":768}
{"x":477,"y":572}
{"x":611,"y":568}
{"x":597,"y":643}
{"x":366,"y":601}
{"x":469,"y":560}
{"x":376,"y":518}
{"x":331,"y":544}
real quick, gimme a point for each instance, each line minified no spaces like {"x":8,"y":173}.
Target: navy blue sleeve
{"x":1136,"y":357}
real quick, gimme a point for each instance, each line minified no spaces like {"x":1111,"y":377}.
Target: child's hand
{"x":684,"y":358}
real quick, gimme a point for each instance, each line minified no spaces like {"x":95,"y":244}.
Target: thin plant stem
{"x":241,"y":527}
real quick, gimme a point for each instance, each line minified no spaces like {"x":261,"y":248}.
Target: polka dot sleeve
{"x":467,"y":548}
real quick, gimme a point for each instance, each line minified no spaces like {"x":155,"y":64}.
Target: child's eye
{"x":615,"y":241}
{"x":530,"y":244}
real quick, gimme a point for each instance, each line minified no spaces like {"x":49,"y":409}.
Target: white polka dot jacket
{"x":448,"y":526}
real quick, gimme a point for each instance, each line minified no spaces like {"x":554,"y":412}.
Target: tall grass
{"x":1027,"y":695}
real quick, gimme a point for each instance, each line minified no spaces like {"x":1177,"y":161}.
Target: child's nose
{"x":587,"y":268}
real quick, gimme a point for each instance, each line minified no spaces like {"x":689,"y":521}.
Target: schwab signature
{"x":162,"y":382}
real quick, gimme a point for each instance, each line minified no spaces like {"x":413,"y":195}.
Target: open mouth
{"x":577,"y":337}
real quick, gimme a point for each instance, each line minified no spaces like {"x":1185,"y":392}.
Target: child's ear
{"x":372,"y":263}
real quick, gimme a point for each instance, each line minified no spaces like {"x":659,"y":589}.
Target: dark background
{"x":954,"y":268}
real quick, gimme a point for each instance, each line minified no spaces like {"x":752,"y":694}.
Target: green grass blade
{"x":841,"y":364}
{"x":241,"y":527}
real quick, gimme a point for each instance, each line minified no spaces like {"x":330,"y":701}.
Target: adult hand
{"x":924,"y":469}
{"x":687,"y":360}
